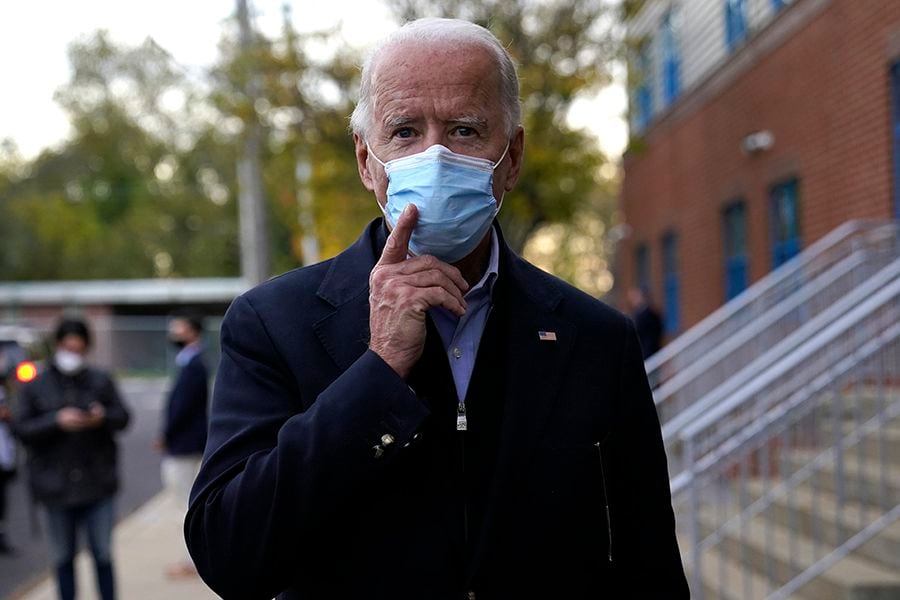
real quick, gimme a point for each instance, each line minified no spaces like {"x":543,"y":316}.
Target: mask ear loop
{"x":378,"y":160}
{"x":500,"y":160}
{"x":377,"y":203}
{"x":497,"y":164}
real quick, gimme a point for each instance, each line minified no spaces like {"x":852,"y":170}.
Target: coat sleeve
{"x":644,"y":545}
{"x":117,"y":415}
{"x":31,"y":425}
{"x":275,"y":475}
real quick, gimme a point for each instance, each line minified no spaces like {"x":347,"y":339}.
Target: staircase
{"x":781,"y":419}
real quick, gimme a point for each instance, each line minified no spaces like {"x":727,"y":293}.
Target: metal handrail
{"x":784,"y":355}
{"x":709,"y":461}
{"x":818,"y":410}
{"x":797,"y":356}
{"x":769,"y":282}
{"x":690,"y":379}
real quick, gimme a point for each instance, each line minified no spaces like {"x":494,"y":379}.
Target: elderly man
{"x":427,"y":415}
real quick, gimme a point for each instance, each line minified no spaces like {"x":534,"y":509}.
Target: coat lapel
{"x":344,"y":332}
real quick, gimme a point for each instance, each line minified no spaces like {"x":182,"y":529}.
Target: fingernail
{"x":406,"y":210}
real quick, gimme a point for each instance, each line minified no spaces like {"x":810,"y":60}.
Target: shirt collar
{"x":185,"y":355}
{"x":490,"y":273}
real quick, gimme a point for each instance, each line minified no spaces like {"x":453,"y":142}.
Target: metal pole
{"x":309,"y":242}
{"x":254,"y":226}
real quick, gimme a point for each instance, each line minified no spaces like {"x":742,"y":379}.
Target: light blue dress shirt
{"x":461,"y":336}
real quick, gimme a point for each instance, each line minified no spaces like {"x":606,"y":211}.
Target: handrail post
{"x":696,"y":572}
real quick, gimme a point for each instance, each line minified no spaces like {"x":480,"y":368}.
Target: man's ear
{"x":516,"y":154}
{"x":362,"y":162}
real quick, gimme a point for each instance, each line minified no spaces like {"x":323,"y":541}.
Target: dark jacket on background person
{"x":328,"y":476}
{"x":649,"y":328}
{"x":70,"y":468}
{"x":186,"y":415}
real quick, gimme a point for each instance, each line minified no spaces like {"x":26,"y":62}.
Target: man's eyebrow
{"x":471,"y":121}
{"x":398,"y":121}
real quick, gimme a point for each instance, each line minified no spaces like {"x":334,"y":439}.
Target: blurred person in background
{"x":184,"y":427}
{"x":647,"y":322}
{"x":7,"y":458}
{"x":427,"y":415}
{"x":68,"y":418}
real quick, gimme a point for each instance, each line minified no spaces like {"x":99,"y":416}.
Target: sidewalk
{"x":144,"y":544}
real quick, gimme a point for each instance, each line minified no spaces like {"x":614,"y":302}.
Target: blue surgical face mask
{"x":455,"y":197}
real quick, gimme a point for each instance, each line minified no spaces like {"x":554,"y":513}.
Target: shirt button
{"x":457,"y":353}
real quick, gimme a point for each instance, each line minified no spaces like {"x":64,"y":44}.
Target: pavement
{"x":144,"y":544}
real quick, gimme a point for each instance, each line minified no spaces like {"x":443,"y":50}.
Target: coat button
{"x":387,"y":439}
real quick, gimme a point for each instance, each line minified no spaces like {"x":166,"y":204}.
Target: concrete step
{"x":776,"y":555}
{"x":725,"y":578}
{"x":816,"y":517}
{"x":865,"y":479}
{"x":867,"y":400}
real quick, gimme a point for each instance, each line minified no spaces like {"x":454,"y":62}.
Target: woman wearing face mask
{"x":67,"y":418}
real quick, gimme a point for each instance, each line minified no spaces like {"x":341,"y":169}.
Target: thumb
{"x":397,"y":246}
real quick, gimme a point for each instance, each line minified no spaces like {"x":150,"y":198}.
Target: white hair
{"x":433,"y":30}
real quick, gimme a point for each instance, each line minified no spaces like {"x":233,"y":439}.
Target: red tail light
{"x":26,"y":371}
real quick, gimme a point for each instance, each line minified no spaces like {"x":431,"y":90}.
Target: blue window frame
{"x":644,"y":90}
{"x":642,"y":267}
{"x":671,"y":58}
{"x":735,"y":22}
{"x":785,"y":222}
{"x":735,"y":235}
{"x":671,"y":283}
{"x":895,"y":124}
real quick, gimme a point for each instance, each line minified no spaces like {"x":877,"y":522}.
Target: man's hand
{"x":97,"y":415}
{"x":401,"y":290}
{"x":72,"y":419}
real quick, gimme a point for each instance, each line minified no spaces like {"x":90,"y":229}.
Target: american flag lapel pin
{"x":547,"y":336}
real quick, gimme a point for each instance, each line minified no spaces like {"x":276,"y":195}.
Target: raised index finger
{"x":397,"y":246}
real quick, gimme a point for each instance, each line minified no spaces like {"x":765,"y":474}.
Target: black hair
{"x":192,"y":318}
{"x":71,"y":326}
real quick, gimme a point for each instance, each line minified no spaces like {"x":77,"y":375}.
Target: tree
{"x":137,"y":191}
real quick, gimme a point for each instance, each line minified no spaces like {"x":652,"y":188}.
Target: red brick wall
{"x":825,"y":95}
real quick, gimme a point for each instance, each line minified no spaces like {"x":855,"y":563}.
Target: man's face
{"x":427,"y":94}
{"x":181,"y":331}
{"x":73,"y":343}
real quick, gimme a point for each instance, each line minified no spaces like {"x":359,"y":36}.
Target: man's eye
{"x":465,"y":131}
{"x":404,"y":132}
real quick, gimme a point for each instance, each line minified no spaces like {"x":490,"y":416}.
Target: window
{"x":785,"y":222}
{"x":735,"y":230}
{"x":642,"y":267}
{"x":671,"y":58}
{"x":644,"y":89}
{"x":670,"y":282}
{"x":735,"y":22}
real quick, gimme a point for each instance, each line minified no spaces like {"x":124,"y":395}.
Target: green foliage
{"x":124,"y":197}
{"x":146,"y":185}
